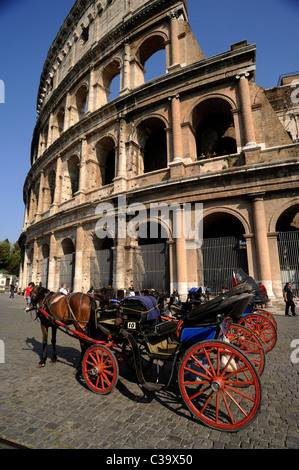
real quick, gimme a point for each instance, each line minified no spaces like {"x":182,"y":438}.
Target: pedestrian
{"x":27,"y":294}
{"x":289,"y":299}
{"x":63,"y":289}
{"x":131,"y":290}
{"x":264,"y":292}
{"x":174,"y":297}
{"x":12,"y":290}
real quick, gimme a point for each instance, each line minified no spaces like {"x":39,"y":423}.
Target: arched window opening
{"x":51,"y":184}
{"x":152,"y":138}
{"x":45,"y":265}
{"x":111,"y":80}
{"x":106,"y":160}
{"x":81,"y":101}
{"x":223,"y":251}
{"x":67,"y":264}
{"x":151,"y":57}
{"x":85,"y":34}
{"x":60,"y":120}
{"x":45,"y":138}
{"x":74,"y":170}
{"x":288,"y":246}
{"x":155,"y":66}
{"x":151,"y":261}
{"x":67,"y":246}
{"x":114,"y":88}
{"x":101,"y":263}
{"x":215,"y":132}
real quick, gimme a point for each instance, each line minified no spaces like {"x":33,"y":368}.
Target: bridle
{"x":40,"y":295}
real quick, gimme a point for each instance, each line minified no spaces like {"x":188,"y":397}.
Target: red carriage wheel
{"x":267,"y":315}
{"x":100,"y":369}
{"x":220,"y":385}
{"x":246,"y":340}
{"x":263,"y":328}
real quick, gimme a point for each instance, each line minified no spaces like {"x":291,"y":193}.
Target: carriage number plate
{"x":131,"y":325}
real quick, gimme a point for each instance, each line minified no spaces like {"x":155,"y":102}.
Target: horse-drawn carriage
{"x":217,"y":363}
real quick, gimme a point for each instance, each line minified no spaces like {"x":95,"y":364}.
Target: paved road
{"x":51,"y":408}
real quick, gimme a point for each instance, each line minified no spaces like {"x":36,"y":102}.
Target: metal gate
{"x":221,"y":256}
{"x":288,"y":250}
{"x":45,"y":272}
{"x":101,"y":268}
{"x":151,"y":267}
{"x":67,"y":270}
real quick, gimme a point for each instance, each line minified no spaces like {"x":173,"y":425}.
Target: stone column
{"x":120,"y":180}
{"x":119,"y":270}
{"x":176,"y":127}
{"x":58,"y":184}
{"x":24,"y":281}
{"x":51,"y":136}
{"x":126,"y":79}
{"x":35,"y":261}
{"x":52,"y":263}
{"x":82,"y":175}
{"x":246,"y":110}
{"x":181,"y":259}
{"x":90,"y":105}
{"x":40,"y":196}
{"x":78,"y":280}
{"x":261,"y":242}
{"x":174,"y":39}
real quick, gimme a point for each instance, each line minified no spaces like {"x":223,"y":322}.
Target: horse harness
{"x":68,"y":313}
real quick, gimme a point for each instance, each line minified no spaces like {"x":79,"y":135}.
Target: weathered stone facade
{"x":147,"y":145}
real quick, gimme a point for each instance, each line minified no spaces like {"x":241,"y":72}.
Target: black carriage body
{"x":140,"y":313}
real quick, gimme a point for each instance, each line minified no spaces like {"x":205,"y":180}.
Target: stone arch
{"x":150,"y":45}
{"x":81,"y":100}
{"x":151,"y":259}
{"x":60,"y":120}
{"x":287,"y":229}
{"x":67,"y":263}
{"x":45,"y":253}
{"x":229,"y":214}
{"x":67,"y":246}
{"x":49,"y":190}
{"x":73,"y":168}
{"x":152,"y":141}
{"x":286,"y":209}
{"x":101,"y":262}
{"x":105,"y":152}
{"x":109,"y":72}
{"x":224,"y":248}
{"x":212,"y":120}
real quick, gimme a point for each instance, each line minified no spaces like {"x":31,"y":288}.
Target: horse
{"x":77,"y":309}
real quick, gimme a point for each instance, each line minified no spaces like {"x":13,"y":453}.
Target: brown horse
{"x":76,"y":309}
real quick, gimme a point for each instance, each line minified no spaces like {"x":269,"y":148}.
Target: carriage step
{"x":152,"y":387}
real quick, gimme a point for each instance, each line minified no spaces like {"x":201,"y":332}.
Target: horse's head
{"x":38,"y":294}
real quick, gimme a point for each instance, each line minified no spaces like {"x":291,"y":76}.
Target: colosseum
{"x":203,"y":135}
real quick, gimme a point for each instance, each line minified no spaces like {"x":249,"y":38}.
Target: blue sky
{"x":28,"y":27}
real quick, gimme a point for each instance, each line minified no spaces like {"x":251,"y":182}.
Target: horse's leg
{"x":54,"y":331}
{"x":43,"y":360}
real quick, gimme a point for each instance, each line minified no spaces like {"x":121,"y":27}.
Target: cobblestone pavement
{"x":51,"y":408}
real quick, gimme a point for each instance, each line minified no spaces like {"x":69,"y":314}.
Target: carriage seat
{"x":106,"y":320}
